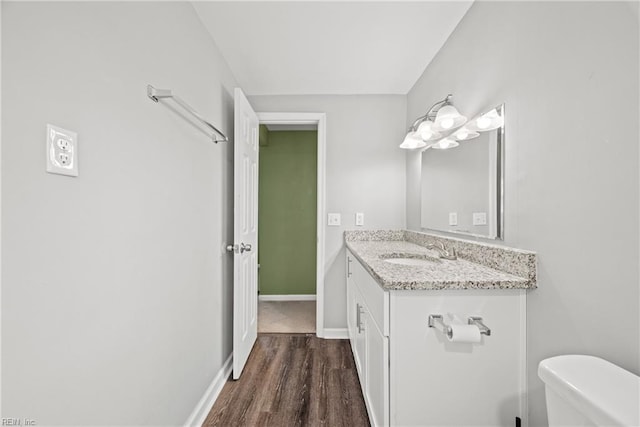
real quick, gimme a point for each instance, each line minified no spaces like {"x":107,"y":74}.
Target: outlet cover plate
{"x":479,"y":218}
{"x":62,"y":151}
{"x":453,"y":218}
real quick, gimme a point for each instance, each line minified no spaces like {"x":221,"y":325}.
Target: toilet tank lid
{"x":604,"y":392}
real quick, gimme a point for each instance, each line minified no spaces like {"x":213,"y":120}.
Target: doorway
{"x":290,"y":215}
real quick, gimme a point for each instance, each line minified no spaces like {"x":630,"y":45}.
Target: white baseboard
{"x":336,"y":334}
{"x":202,"y":409}
{"x":286,"y":297}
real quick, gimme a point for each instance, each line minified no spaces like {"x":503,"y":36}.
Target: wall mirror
{"x":462,"y":183}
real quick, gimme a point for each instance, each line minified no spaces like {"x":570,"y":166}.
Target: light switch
{"x":333,"y":219}
{"x":359,"y":218}
{"x":479,"y":218}
{"x":453,"y":218}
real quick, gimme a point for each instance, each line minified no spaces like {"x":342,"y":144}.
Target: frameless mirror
{"x":462,"y":185}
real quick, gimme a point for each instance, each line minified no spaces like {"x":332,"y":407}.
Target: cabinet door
{"x":355,"y":325}
{"x":370,"y":346}
{"x":436,"y":382}
{"x":351,"y":301}
{"x":377,"y":373}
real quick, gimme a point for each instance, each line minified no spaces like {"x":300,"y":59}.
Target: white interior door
{"x":245,"y":247}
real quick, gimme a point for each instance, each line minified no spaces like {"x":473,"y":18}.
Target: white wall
{"x":116,"y":299}
{"x":568,"y":73}
{"x":365,"y":173}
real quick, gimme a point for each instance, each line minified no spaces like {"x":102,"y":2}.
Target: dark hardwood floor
{"x":293,"y":380}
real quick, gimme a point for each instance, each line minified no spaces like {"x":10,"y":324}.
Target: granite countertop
{"x":436,"y":274}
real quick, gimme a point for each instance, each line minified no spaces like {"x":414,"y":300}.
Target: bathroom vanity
{"x":414,"y":374}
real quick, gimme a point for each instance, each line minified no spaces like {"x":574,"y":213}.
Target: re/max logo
{"x":17,"y":422}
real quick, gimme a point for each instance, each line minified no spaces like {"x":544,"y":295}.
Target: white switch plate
{"x":453,"y":218}
{"x":359,"y":218}
{"x":62,"y":151}
{"x":479,"y":218}
{"x":333,"y":219}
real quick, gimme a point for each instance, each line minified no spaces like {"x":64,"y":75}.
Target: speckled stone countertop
{"x":373,"y":247}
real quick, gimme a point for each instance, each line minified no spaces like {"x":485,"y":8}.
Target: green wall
{"x":287,"y":212}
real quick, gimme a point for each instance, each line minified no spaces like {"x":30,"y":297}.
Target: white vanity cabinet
{"x":367,"y":315}
{"x":412,"y":375}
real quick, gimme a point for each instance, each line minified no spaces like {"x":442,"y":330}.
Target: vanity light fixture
{"x":488,"y":121}
{"x":442,"y":116}
{"x":413,"y":141}
{"x":445,"y":143}
{"x":448,"y":118}
{"x":491,"y":120}
{"x":427,"y":132}
{"x":465,"y":134}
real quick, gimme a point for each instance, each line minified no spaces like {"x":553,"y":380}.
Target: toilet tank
{"x":589,"y":391}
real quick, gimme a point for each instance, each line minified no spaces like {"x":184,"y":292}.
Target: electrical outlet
{"x":63,"y":144}
{"x":64,"y":159}
{"x":479,"y":218}
{"x":360,"y":218}
{"x":62,"y":151}
{"x":333,"y":219}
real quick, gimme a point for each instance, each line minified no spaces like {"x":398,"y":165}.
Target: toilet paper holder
{"x":437,"y":321}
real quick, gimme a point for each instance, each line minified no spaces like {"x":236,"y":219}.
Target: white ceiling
{"x":315,"y":47}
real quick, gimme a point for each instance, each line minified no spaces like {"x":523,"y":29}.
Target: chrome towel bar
{"x":157,"y":94}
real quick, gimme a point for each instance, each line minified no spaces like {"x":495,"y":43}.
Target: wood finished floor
{"x":293,"y":380}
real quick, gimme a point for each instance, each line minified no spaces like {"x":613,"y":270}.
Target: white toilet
{"x":589,"y":391}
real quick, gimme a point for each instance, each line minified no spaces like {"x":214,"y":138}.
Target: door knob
{"x":242,"y":247}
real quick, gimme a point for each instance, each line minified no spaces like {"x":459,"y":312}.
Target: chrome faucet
{"x":443,"y":252}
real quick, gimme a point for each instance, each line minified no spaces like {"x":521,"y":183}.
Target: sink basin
{"x":410,"y":261}
{"x":409,"y":258}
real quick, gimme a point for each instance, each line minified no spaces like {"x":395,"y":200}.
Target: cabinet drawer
{"x":376,"y":299}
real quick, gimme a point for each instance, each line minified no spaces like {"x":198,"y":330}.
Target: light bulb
{"x":483,"y":122}
{"x":412,"y":141}
{"x":446,"y":123}
{"x":464,"y":134}
{"x":448,"y":118}
{"x":444,"y":144}
{"x":426,"y":132}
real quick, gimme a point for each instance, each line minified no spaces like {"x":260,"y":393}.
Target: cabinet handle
{"x":348,"y":266}
{"x":359,"y":312}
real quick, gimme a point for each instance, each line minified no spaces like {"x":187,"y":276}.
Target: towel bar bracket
{"x":157,"y":94}
{"x":475,"y":320}
{"x":436,"y":321}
